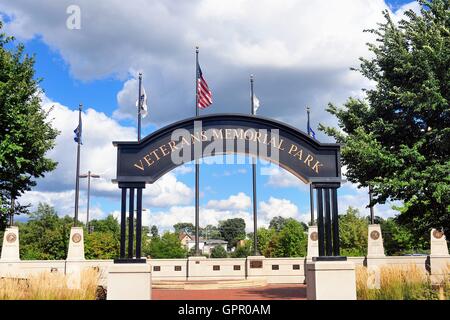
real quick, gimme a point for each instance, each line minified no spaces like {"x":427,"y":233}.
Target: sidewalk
{"x":269,"y":292}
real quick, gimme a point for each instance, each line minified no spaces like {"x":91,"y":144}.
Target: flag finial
{"x":196,"y":49}
{"x":80,"y":107}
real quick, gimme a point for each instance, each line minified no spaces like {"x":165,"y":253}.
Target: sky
{"x":90,"y":52}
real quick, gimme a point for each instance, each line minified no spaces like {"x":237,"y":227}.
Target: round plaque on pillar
{"x":76,"y":238}
{"x":374,"y":235}
{"x":438,"y":234}
{"x":11,"y":237}
{"x":314,"y":236}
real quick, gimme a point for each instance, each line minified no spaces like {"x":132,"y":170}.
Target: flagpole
{"x":197,"y":167}
{"x":139,"y":107}
{"x":372,"y":212}
{"x":311,"y":189}
{"x":77,"y":180}
{"x":255,"y":212}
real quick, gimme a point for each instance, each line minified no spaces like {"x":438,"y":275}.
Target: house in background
{"x":205,"y":245}
{"x":184,"y":238}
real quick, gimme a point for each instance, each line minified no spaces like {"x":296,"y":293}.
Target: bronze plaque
{"x":438,"y":234}
{"x":374,"y":235}
{"x":11,"y":237}
{"x":256,"y":264}
{"x":314,"y":236}
{"x":76,"y":237}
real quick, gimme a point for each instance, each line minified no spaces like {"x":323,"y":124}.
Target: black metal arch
{"x":145,"y":161}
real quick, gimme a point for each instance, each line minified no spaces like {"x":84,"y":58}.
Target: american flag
{"x":204,"y":95}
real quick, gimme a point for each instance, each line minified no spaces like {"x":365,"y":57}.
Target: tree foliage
{"x":232,"y":230}
{"x":25,"y":133}
{"x":219,"y":252}
{"x":291,"y":240}
{"x":353,"y":233}
{"x":45,"y":236}
{"x":184,"y":227}
{"x":397,"y":138}
{"x":284,"y":238}
{"x":167,"y":246}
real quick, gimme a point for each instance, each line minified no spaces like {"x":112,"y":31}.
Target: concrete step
{"x":208,"y":284}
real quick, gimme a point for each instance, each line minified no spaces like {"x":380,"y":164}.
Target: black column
{"x":329,"y":244}
{"x":328,"y":220}
{"x":320,"y":226}
{"x":138,"y":223}
{"x":336,"y":246}
{"x":131,"y":224}
{"x":123,"y":222}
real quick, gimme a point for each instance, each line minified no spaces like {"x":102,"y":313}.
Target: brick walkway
{"x":269,"y":292}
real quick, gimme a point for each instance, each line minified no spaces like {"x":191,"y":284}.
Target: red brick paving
{"x":269,"y":292}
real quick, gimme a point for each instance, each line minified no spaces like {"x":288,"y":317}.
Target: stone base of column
{"x":10,"y":246}
{"x":129,"y":282}
{"x":76,"y":244}
{"x":330,"y":280}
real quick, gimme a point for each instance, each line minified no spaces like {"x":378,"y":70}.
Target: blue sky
{"x":97,"y":66}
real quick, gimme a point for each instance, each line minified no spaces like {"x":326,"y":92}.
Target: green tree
{"x":45,"y":236}
{"x":398,"y":239}
{"x":353,"y":233}
{"x":291,"y":241}
{"x":184,"y":227}
{"x":232,"y":230}
{"x":109,"y":225}
{"x":25,"y":133}
{"x":154,"y":231}
{"x":219,"y":252}
{"x":210,"y":232}
{"x":166,"y":247}
{"x":266,"y":241}
{"x":101,"y":245}
{"x":397,"y":138}
{"x":243,"y":251}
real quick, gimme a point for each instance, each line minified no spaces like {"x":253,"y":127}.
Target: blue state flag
{"x":77,"y":132}
{"x":311,"y":132}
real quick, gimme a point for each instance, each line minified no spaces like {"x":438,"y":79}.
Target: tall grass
{"x":50,"y":286}
{"x":402,"y":283}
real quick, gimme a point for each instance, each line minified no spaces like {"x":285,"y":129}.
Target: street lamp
{"x":89,"y":175}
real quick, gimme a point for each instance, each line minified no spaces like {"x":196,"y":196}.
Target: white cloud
{"x":359,"y":198}
{"x":279,"y":207}
{"x":399,"y":13}
{"x":281,"y":178}
{"x":300,"y":52}
{"x":99,"y":156}
{"x":240,"y":202}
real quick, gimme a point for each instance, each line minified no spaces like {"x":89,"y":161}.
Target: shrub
{"x":218,"y":252}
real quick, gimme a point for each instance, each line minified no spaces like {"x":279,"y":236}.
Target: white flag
{"x":143,"y":104}
{"x":255,"y":103}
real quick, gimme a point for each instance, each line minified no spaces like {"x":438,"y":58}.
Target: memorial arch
{"x":145,"y":161}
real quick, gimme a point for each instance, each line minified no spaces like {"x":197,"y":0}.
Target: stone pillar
{"x":375,"y":248}
{"x":375,"y":255}
{"x":313,"y":243}
{"x":439,"y":256}
{"x":438,"y":243}
{"x":10,"y":246}
{"x":76,"y":244}
{"x":129,"y":281}
{"x":331,"y":280}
